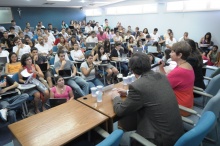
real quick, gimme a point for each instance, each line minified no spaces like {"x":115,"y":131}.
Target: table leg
{"x":103,"y":74}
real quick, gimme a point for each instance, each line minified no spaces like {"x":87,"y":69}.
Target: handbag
{"x":40,"y":86}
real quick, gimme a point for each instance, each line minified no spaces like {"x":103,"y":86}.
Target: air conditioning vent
{"x":48,"y":3}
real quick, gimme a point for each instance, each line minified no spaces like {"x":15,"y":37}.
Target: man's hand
{"x":115,"y":94}
{"x":73,"y":75}
{"x":36,"y":57}
{"x":122,"y":92}
{"x":63,"y":62}
{"x":3,"y":84}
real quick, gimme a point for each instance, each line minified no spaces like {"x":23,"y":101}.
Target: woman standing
{"x":61,"y":90}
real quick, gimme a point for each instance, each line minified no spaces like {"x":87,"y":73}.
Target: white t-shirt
{"x":76,"y":54}
{"x":5,"y":54}
{"x":91,"y":74}
{"x":24,"y":50}
{"x":43,"y":49}
{"x":88,"y":29}
{"x":91,"y":39}
{"x":169,"y":42}
{"x":155,"y":37}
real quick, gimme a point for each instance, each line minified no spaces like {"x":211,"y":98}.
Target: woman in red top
{"x":182,"y":77}
{"x":26,"y":62}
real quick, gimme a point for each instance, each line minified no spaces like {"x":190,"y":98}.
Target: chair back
{"x":55,"y":49}
{"x":113,"y":139}
{"x":213,"y":105}
{"x":195,"y":136}
{"x":215,"y":73}
{"x":213,"y":86}
{"x":15,"y":77}
{"x":52,"y":59}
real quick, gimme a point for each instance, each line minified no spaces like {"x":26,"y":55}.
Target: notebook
{"x":90,"y":45}
{"x":65,"y":73}
{"x":152,"y":49}
{"x":136,"y":50}
{"x":3,"y":61}
{"x":105,"y":61}
{"x":56,"y":101}
{"x":43,"y":67}
{"x":71,"y":27}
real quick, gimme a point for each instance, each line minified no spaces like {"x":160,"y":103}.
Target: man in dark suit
{"x":116,"y":54}
{"x":152,"y":102}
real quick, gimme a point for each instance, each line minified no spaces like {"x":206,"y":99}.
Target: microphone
{"x":157,"y":64}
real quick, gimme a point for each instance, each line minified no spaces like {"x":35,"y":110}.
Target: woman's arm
{"x":51,"y":93}
{"x":6,"y":69}
{"x":39,"y":72}
{"x":208,"y":55}
{"x":71,"y":94}
{"x":20,"y":76}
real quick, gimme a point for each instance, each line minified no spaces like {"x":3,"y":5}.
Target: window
{"x":215,"y":5}
{"x":195,"y":5}
{"x":150,"y":8}
{"x":134,"y":9}
{"x":93,"y":12}
{"x":175,"y":6}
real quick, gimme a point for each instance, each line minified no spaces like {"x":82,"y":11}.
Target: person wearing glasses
{"x":20,"y":48}
{"x":40,"y":92}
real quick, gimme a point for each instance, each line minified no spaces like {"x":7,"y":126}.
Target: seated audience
{"x":166,"y":58}
{"x":37,"y":34}
{"x":153,"y":113}
{"x":72,"y":42}
{"x":64,"y":44}
{"x":61,"y":90}
{"x":184,"y":37}
{"x":40,"y":92}
{"x":43,"y":48}
{"x":213,"y":54}
{"x":9,"y":103}
{"x":64,"y":25}
{"x":153,"y":59}
{"x":64,"y":34}
{"x":116,"y":54}
{"x":183,"y":88}
{"x":167,"y":35}
{"x":205,"y":42}
{"x":4,"y":53}
{"x":107,"y":46}
{"x":6,"y":41}
{"x":102,"y":36}
{"x":88,"y":28}
{"x":12,"y":32}
{"x":16,"y":27}
{"x":77,"y":83}
{"x":66,"y":55}
{"x":76,"y":53}
{"x":92,"y":38}
{"x":40,"y":59}
{"x":20,"y":48}
{"x":145,"y":31}
{"x":28,"y":32}
{"x":170,"y":41}
{"x":155,"y":37}
{"x":195,"y":60}
{"x":117,"y":37}
{"x":13,"y":66}
{"x":89,"y":72}
{"x":110,"y":69}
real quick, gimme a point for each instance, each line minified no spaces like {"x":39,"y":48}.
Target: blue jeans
{"x":124,"y":68}
{"x":94,"y":82}
{"x":12,"y":103}
{"x":77,"y":83}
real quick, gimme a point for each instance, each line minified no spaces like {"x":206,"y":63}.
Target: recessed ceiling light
{"x":82,"y":1}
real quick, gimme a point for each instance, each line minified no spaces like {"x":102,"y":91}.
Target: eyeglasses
{"x":28,"y":59}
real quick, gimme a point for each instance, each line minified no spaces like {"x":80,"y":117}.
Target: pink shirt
{"x":102,"y":37}
{"x":65,"y":94}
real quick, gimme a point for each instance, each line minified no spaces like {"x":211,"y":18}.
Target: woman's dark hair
{"x":107,"y":46}
{"x":146,"y":31}
{"x":88,"y":55}
{"x":107,"y":28}
{"x":139,"y":63}
{"x":129,"y":40}
{"x":24,"y":58}
{"x":12,"y":53}
{"x":72,"y":43}
{"x":183,"y":48}
{"x":57,"y":78}
{"x":138,"y":43}
{"x":137,"y":34}
{"x":152,"y":62}
{"x":99,"y":53}
{"x":210,"y":37}
{"x":195,"y":54}
{"x":167,"y":54}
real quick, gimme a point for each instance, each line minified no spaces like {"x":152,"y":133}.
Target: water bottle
{"x":99,"y":96}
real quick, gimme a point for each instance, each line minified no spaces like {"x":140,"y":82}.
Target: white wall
{"x":196,"y":23}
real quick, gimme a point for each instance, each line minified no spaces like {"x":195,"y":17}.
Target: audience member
{"x":89,"y":72}
{"x":183,"y":88}
{"x":20,"y":48}
{"x":213,"y":54}
{"x":76,"y":53}
{"x":184,"y":37}
{"x":77,"y":83}
{"x":14,"y":65}
{"x":9,"y":103}
{"x":16,"y":27}
{"x":92,"y":38}
{"x":155,"y":36}
{"x":61,"y":90}
{"x":170,"y":41}
{"x":4,"y":53}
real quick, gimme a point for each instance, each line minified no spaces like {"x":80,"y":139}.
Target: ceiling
{"x":71,"y":3}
